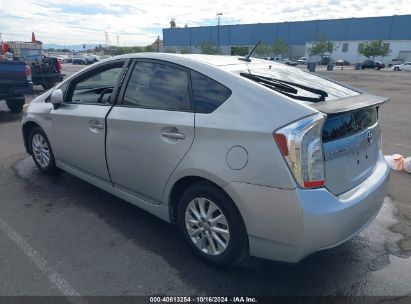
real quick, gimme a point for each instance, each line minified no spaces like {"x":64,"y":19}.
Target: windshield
{"x":302,"y":78}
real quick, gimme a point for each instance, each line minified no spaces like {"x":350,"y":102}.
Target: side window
{"x":96,"y":87}
{"x":208,"y":94}
{"x":158,"y":86}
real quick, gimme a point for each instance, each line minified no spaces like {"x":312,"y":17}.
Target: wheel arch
{"x":183,"y":183}
{"x":26,"y":128}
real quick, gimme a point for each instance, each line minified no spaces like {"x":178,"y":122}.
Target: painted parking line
{"x":63,"y":286}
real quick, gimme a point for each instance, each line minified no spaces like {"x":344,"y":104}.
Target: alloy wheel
{"x":40,"y":150}
{"x":207,"y":226}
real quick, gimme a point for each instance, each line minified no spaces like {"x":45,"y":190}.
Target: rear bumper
{"x":288,"y":225}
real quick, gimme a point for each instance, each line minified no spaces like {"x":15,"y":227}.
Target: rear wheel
{"x":396,"y":69}
{"x":41,"y":151}
{"x":15,"y":104}
{"x":212,"y":225}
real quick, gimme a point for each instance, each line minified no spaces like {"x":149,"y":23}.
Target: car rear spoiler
{"x":350,"y":103}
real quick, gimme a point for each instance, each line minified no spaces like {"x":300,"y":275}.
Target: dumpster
{"x":311,"y":66}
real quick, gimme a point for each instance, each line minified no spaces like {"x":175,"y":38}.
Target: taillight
{"x":301,"y":145}
{"x":28,"y":73}
{"x":58,"y":66}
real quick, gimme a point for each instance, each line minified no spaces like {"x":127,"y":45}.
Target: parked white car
{"x":302,"y":60}
{"x":406,"y":66}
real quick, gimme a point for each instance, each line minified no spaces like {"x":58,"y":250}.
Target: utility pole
{"x":106,"y":36}
{"x":218,"y":31}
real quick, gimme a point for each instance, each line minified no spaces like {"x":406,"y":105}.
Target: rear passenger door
{"x":150,"y":129}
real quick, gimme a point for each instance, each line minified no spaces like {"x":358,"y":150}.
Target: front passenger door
{"x":78,"y":125}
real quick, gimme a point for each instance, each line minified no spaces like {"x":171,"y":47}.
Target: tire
{"x":46,"y":84}
{"x":15,"y":104}
{"x":396,"y":69}
{"x":39,"y":144}
{"x":236,"y":240}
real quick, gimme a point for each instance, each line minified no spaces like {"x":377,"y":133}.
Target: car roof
{"x":214,"y":60}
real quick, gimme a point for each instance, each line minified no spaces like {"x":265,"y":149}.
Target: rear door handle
{"x":95,"y":124}
{"x":173,"y":135}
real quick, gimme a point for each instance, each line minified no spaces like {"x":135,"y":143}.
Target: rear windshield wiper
{"x":287,"y":88}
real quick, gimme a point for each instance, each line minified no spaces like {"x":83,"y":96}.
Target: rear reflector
{"x":314,"y":184}
{"x":282,"y":143}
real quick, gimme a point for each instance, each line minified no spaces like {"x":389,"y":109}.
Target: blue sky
{"x":140,"y":22}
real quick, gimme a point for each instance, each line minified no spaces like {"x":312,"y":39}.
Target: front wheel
{"x":396,"y":69}
{"x":15,"y":104}
{"x":41,"y":151}
{"x":212,"y":225}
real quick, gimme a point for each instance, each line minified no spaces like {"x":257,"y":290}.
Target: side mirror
{"x":56,"y":98}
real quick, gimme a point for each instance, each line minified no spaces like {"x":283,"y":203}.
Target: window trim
{"x":120,"y":97}
{"x":87,"y":73}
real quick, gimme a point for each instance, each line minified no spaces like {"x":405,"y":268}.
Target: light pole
{"x":218,"y":31}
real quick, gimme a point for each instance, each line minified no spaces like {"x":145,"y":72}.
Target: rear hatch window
{"x":296,"y":83}
{"x":346,"y":124}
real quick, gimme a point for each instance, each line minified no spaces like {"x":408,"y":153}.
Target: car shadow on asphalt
{"x":332,"y":271}
{"x":5,"y":114}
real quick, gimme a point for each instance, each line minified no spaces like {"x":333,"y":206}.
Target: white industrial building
{"x":348,"y":50}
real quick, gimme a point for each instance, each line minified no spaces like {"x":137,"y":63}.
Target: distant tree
{"x":263,"y":49}
{"x":321,"y":46}
{"x":120,"y":51}
{"x":374,"y":48}
{"x":185,"y":50}
{"x":170,"y":50}
{"x":98,"y":48}
{"x":239,"y":51}
{"x":280,"y":47}
{"x":136,"y":49}
{"x":209,"y":49}
{"x":149,"y":48}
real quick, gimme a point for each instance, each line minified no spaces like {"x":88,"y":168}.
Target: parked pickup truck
{"x":46,"y":71}
{"x":15,"y":81}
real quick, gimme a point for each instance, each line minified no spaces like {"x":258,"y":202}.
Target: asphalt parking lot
{"x":62,"y":236}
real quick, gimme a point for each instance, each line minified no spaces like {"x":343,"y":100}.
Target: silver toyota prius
{"x":245,"y":156}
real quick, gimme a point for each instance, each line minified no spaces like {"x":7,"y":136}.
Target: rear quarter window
{"x":208,"y":94}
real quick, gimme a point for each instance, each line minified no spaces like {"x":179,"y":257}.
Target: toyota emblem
{"x":370,"y":137}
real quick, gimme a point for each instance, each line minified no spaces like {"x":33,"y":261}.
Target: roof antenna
{"x":247,"y":58}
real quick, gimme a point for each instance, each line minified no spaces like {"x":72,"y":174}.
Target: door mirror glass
{"x":56,"y":98}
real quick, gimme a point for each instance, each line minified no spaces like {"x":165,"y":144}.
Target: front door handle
{"x":95,"y":124}
{"x":174,"y":135}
